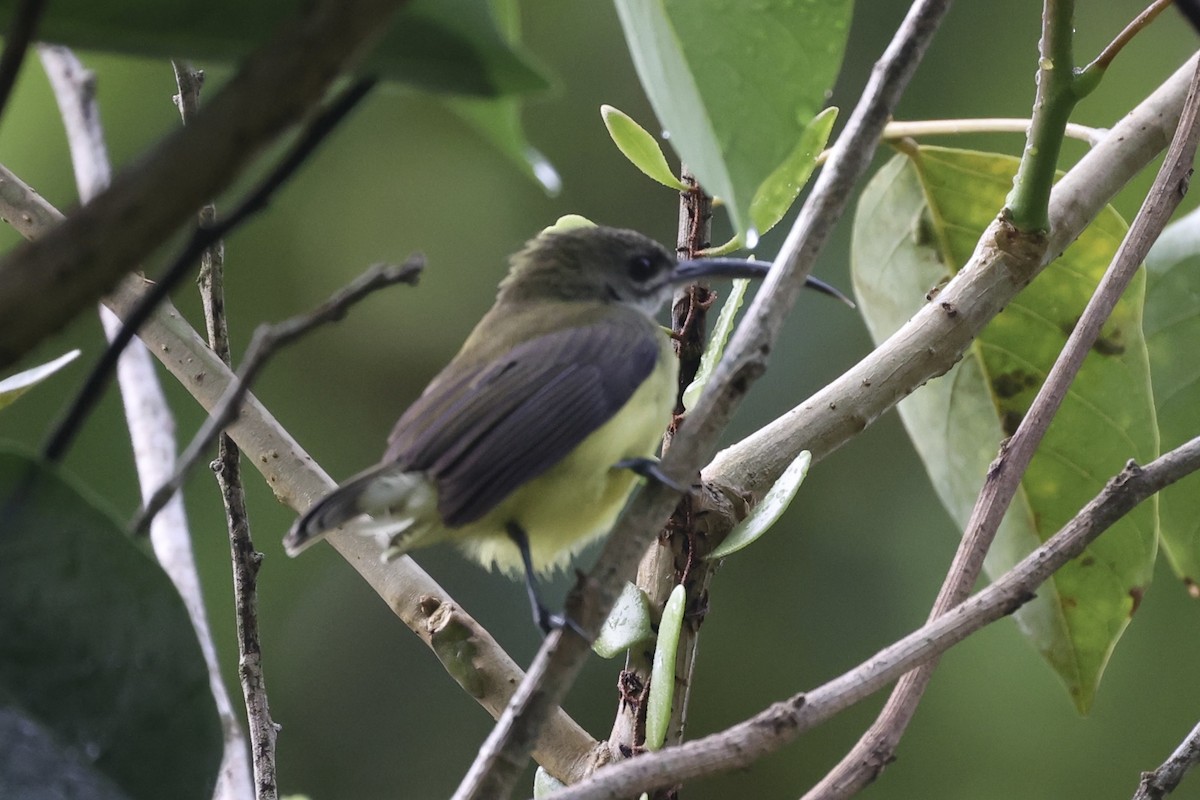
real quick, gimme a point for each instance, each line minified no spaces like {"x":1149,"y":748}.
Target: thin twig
{"x":148,"y":417}
{"x":1135,"y":26}
{"x":246,"y":560}
{"x":504,"y":753}
{"x":903,"y":129}
{"x":1161,"y":782}
{"x":266,"y":340}
{"x":25,"y":19}
{"x":875,"y":749}
{"x":915,"y":129}
{"x":200,"y":240}
{"x":781,"y":723}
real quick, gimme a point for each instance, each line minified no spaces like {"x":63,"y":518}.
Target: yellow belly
{"x":579,"y":498}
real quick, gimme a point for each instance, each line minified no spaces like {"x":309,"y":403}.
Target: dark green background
{"x":366,"y":710}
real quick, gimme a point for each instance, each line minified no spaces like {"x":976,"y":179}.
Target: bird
{"x":527,"y":445}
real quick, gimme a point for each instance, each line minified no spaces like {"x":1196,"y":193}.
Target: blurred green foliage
{"x":366,"y":711}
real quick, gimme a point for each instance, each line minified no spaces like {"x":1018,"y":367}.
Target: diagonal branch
{"x":1161,"y":782}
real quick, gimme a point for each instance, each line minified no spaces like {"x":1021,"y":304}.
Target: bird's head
{"x":610,"y":265}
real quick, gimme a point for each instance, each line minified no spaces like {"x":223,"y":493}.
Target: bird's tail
{"x":384,"y":489}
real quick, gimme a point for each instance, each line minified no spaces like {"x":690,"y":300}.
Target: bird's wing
{"x":481,"y":432}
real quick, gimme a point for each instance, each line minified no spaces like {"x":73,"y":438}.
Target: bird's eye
{"x":642,"y":268}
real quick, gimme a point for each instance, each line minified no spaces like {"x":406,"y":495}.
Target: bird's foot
{"x":649,"y":469}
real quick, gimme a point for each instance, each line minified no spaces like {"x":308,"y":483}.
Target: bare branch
{"x":1161,"y":782}
{"x":781,"y":723}
{"x":667,"y":560}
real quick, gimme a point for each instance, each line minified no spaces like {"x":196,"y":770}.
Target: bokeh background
{"x":366,"y":711}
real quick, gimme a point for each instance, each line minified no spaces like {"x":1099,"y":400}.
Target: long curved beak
{"x":698,"y":268}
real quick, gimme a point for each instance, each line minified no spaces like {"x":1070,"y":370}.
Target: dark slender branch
{"x":25,"y":19}
{"x":1190,"y":9}
{"x":266,"y":340}
{"x":200,"y":239}
{"x":503,"y":755}
{"x":1161,"y":782}
{"x":781,"y":723}
{"x":246,"y":560}
{"x":875,"y":749}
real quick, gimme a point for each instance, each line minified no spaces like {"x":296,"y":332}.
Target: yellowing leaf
{"x":918,"y":221}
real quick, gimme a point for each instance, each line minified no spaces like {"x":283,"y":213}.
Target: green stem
{"x":1057,"y":93}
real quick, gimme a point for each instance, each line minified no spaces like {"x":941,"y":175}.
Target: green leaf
{"x":640,"y":147}
{"x":917,"y":222}
{"x":14,"y":386}
{"x":498,"y":120}
{"x":735,"y":86}
{"x":628,"y":623}
{"x":662,"y":672}
{"x":437,"y":45}
{"x":767,"y":512}
{"x":777,"y":193}
{"x":95,"y":643}
{"x":1172,"y":326}
{"x":716,"y":343}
